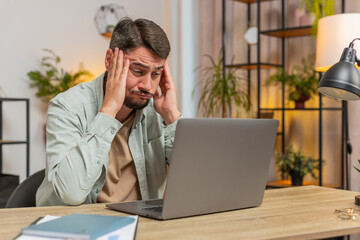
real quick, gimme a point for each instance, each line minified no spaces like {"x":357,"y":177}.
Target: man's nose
{"x":145,"y":83}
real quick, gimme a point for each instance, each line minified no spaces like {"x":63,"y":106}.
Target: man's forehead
{"x":146,"y":58}
{"x":144,"y":65}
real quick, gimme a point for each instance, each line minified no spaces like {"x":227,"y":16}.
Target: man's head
{"x":129,"y":34}
{"x":146,"y":45}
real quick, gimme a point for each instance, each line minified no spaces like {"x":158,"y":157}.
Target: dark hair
{"x":129,"y":34}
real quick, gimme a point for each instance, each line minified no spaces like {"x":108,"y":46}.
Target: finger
{"x":157,"y":94}
{"x":163,"y":87}
{"x":119,"y":64}
{"x":113,"y":62}
{"x":125,"y":70}
{"x":168,"y":73}
{"x":158,"y":97}
{"x":163,"y":80}
{"x":167,"y":81}
{"x":158,"y":90}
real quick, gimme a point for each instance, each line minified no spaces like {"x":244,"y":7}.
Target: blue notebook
{"x":79,"y":226}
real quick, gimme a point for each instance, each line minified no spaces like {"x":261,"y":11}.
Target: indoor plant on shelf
{"x":301,"y":81}
{"x":295,"y":164}
{"x":221,"y":90}
{"x":319,"y":9}
{"x":52,"y":80}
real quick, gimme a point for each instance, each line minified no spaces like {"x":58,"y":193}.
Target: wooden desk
{"x":297,"y":213}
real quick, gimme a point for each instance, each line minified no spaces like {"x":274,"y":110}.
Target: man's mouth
{"x":143,"y":94}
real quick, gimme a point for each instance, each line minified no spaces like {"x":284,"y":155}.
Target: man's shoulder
{"x":83,"y":93}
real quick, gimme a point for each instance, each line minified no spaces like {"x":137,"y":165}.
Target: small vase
{"x":299,"y":104}
{"x":301,"y":98}
{"x":296,"y":178}
{"x":302,"y":18}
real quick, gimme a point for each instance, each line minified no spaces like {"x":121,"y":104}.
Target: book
{"x":79,"y":226}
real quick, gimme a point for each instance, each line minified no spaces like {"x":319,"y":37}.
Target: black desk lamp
{"x":342,"y":81}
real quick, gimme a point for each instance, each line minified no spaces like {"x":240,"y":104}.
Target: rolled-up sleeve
{"x":169,"y":139}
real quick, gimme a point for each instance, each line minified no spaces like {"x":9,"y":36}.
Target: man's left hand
{"x":166,"y":103}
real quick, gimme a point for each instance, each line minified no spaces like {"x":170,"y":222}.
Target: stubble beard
{"x":130,"y":103}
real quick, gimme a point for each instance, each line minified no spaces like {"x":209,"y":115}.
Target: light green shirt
{"x":78,"y":143}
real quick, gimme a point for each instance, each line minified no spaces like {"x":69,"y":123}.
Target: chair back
{"x":24,"y":194}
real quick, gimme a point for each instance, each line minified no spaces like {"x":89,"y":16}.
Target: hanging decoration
{"x":107,"y":16}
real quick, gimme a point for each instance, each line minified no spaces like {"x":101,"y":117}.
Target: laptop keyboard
{"x":154,"y":208}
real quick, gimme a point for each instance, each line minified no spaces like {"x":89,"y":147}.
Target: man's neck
{"x":124,"y":114}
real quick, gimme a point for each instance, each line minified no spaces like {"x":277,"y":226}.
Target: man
{"x":109,"y":140}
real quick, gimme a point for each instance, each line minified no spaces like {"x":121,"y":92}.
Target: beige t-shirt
{"x":121,"y":182}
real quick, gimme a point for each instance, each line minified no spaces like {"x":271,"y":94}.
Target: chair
{"x":24,"y":194}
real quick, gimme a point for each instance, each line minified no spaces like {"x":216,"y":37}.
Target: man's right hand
{"x":115,"y":84}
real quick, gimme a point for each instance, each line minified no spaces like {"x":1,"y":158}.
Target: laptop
{"x":216,"y":165}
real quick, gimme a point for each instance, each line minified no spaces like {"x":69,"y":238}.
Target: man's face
{"x":144,"y":76}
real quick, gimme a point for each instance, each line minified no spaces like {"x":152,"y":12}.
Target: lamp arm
{"x":352,"y":42}
{"x":351,"y":45}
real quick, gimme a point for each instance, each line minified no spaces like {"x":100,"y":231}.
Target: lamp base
{"x":357,"y":200}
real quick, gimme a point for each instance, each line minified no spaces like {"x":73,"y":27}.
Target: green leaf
{"x":301,"y":79}
{"x":51,"y":80}
{"x":221,"y":90}
{"x":292,"y":160}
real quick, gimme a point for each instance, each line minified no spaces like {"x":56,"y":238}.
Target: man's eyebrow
{"x":146,"y":66}
{"x":159,"y":68}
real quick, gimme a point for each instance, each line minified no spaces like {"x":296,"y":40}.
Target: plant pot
{"x":301,"y":98}
{"x":296,"y":178}
{"x":303,"y":19}
{"x":267,"y":114}
{"x":299,"y":104}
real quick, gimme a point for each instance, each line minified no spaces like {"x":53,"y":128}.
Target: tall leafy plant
{"x":51,"y":80}
{"x":222,"y":89}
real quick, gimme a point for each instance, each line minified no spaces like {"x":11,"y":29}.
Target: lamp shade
{"x":341,"y":81}
{"x":335,"y":32}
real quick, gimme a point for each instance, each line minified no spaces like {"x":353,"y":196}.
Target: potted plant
{"x":319,"y":9}
{"x":301,"y":81}
{"x":222,"y":89}
{"x":110,"y":28}
{"x":295,"y":164}
{"x":51,"y":80}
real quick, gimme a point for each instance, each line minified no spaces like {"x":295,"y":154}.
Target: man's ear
{"x":108,"y":56}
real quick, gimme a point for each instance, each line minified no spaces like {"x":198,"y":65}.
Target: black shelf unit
{"x":12,"y":142}
{"x":284,"y":33}
{"x":289,"y":32}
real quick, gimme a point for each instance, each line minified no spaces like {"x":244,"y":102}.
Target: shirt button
{"x":112,"y":131}
{"x":98,"y":162}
